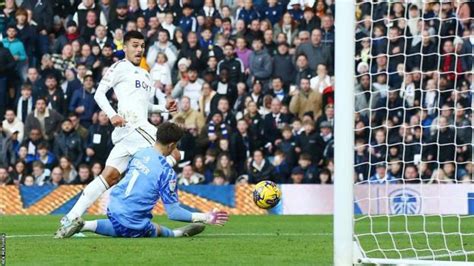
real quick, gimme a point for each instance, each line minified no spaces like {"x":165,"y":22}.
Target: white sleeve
{"x":161,"y":106}
{"x":107,"y":82}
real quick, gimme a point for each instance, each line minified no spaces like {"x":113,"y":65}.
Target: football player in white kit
{"x":133,"y":87}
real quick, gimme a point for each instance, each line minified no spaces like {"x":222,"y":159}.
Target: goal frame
{"x":346,"y":249}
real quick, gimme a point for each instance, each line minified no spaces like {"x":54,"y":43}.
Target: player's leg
{"x":102,"y":227}
{"x":185,"y":231}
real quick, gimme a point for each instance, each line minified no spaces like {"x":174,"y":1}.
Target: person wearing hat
{"x":297,"y":175}
{"x":382,"y":176}
{"x":82,"y":102}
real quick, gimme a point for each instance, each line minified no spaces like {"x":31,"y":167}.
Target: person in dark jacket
{"x":69,"y":143}
{"x":283,"y":65}
{"x":316,"y":52}
{"x":234,"y":66}
{"x":54,"y":95}
{"x":99,"y":144}
{"x":272,"y":124}
{"x":83,"y":103}
{"x":42,"y":12}
{"x":241,"y":146}
{"x":43,"y":118}
{"x":7,"y":65}
{"x":248,"y":13}
{"x":279,"y":92}
{"x":310,"y":171}
{"x":302,"y":69}
{"x":260,"y":64}
{"x":27,"y":35}
{"x":259,"y":168}
{"x":121,"y":19}
{"x":310,"y":21}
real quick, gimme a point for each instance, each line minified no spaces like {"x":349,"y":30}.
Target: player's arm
{"x":169,"y":196}
{"x":100,"y":97}
{"x":165,"y":105}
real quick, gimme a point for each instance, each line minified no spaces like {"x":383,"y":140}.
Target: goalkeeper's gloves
{"x":214,"y":217}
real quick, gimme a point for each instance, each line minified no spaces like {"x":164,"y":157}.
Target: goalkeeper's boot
{"x":191,"y":229}
{"x":69,"y":228}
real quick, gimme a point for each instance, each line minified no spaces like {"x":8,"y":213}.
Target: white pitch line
{"x":217,"y":234}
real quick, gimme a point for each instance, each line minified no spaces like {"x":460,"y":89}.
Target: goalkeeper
{"x":149,"y":178}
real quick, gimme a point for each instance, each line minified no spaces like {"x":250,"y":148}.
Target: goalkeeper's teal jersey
{"x":149,"y":178}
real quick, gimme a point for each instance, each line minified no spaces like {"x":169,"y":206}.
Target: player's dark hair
{"x":169,"y":132}
{"x":133,"y":34}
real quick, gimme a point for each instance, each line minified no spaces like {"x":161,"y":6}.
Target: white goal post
{"x":415,"y":205}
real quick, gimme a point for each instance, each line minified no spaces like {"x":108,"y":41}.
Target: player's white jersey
{"x":133,"y":87}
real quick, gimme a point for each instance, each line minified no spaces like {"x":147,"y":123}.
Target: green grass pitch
{"x":245,"y":240}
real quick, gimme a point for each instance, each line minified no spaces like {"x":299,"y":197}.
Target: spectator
{"x":225,"y":166}
{"x":81,"y":14}
{"x":189,"y":177}
{"x":69,"y":172}
{"x":302,"y":69}
{"x":310,"y":171}
{"x":17,"y":50}
{"x":65,"y":60}
{"x":56,"y":177}
{"x":35,"y":137}
{"x":5,"y":179}
{"x":84,"y":176}
{"x":98,"y":143}
{"x":283,"y":65}
{"x":81,"y":130}
{"x":248,"y":13}
{"x":12,"y":124}
{"x":54,"y":95}
{"x":297,"y":176}
{"x":272,"y":124}
{"x":241,"y":145}
{"x":288,"y":146}
{"x":19,"y":173}
{"x":190,"y":88}
{"x":282,"y":168}
{"x":161,"y":72}
{"x":101,"y":38}
{"x":40,"y":174}
{"x":69,"y":143}
{"x":260,"y":64}
{"x":310,"y":21}
{"x":193,"y":120}
{"x":305,"y":100}
{"x":234,"y":66}
{"x":219,"y":178}
{"x":7,"y":153}
{"x":7,"y":64}
{"x":287,"y":26}
{"x":96,"y":169}
{"x":42,"y":14}
{"x":325,"y":177}
{"x":208,"y":100}
{"x":316,"y":52}
{"x":44,"y":156}
{"x":29,"y":181}
{"x":72,"y":33}
{"x":82,"y":102}
{"x":162,"y":45}
{"x":259,"y":168}
{"x":382,"y":176}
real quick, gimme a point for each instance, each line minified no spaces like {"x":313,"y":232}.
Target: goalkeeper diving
{"x":149,"y":178}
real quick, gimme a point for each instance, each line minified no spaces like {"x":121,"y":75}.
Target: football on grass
{"x":266,"y":194}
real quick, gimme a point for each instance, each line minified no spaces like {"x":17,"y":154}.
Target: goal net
{"x":414,"y":192}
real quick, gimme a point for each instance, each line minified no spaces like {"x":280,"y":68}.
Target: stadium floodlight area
{"x":413,"y":55}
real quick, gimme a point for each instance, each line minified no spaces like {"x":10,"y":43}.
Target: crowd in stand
{"x":255,"y":86}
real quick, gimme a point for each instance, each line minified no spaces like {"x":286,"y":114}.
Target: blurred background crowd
{"x":255,"y":86}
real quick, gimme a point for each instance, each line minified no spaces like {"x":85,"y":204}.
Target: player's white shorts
{"x":127,"y":142}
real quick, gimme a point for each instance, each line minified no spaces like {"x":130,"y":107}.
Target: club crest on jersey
{"x":172,"y":185}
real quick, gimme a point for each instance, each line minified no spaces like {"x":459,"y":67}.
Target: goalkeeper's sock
{"x":166,"y":232}
{"x":89,"y":226}
{"x":89,"y":195}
